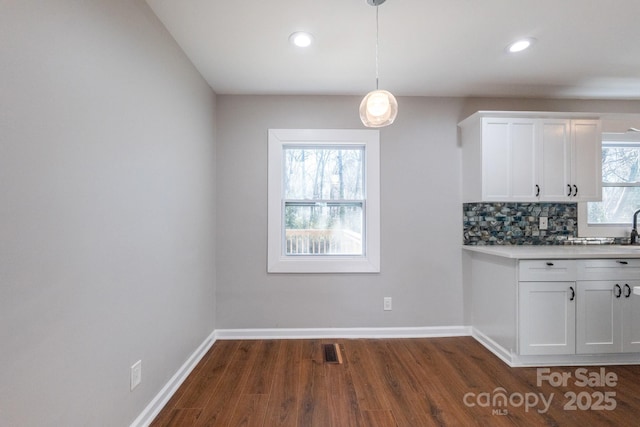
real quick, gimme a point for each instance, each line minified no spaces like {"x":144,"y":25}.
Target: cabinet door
{"x":508,"y":159}
{"x":598,"y":319}
{"x":555,"y":163}
{"x":546,"y":318}
{"x":630,"y":318}
{"x":586,"y":160}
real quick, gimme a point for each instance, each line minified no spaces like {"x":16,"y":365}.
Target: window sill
{"x":325,"y":264}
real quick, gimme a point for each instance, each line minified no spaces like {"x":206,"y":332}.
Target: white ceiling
{"x":585,"y":48}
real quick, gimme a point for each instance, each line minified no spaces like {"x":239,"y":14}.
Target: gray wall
{"x":107,"y":210}
{"x":420,"y":211}
{"x":108,"y":205}
{"x":421,"y":214}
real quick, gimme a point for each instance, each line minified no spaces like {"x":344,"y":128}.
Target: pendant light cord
{"x":377,"y":38}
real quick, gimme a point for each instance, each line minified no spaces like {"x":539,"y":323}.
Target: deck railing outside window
{"x":328,"y":242}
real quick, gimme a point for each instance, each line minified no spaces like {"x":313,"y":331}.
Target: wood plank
{"x":436,"y":384}
{"x":194,"y":376}
{"x":406,"y":404}
{"x":250,"y":410}
{"x":343,"y":399}
{"x":201,"y":388}
{"x":182,"y":417}
{"x":378,"y":419}
{"x":263,"y":372}
{"x":197,"y":387}
{"x":220,"y":407}
{"x":283,"y":404}
{"x":313,"y":407}
{"x":368,"y":385}
{"x":448,"y":406}
{"x":312,"y":350}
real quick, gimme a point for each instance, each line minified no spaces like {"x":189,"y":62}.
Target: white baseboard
{"x":495,"y":348}
{"x":308,"y":333}
{"x":155,"y":406}
{"x":153,"y":409}
{"x":513,"y":360}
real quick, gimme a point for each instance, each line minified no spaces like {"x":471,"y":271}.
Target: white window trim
{"x":605,"y":230}
{"x":277,"y":262}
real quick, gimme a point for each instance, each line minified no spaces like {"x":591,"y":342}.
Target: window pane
{"x":617,"y":206}
{"x":332,"y":173}
{"x":620,"y":164}
{"x":323,"y":228}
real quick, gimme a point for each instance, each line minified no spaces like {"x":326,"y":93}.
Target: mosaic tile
{"x":517,"y":223}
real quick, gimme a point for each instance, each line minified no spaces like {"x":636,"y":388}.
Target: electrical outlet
{"x":544,"y":223}
{"x":136,"y":374}
{"x":387,"y":303}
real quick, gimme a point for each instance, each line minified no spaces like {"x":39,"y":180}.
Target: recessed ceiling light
{"x":301,"y":39}
{"x":520,"y":45}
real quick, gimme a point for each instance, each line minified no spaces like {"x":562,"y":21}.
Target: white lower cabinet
{"x":630,"y":318}
{"x":564,"y":307}
{"x":599,"y":317}
{"x":608,"y":317}
{"x":547,"y":318}
{"x":555,"y":312}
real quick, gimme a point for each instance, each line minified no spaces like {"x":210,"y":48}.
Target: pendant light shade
{"x":379,"y":108}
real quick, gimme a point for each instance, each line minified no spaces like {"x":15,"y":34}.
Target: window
{"x":612,"y":216}
{"x":324,"y":203}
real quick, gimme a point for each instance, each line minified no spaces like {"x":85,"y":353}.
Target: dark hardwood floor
{"x":394,"y":382}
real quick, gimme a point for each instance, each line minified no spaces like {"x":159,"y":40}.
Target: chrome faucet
{"x":634,"y":230}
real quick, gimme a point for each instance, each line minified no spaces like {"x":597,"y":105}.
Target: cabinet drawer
{"x":608,"y":269}
{"x":551,"y":270}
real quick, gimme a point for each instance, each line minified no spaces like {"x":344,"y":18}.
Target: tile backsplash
{"x":518,"y":223}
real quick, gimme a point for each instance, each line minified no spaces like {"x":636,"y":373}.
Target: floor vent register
{"x":332,"y":353}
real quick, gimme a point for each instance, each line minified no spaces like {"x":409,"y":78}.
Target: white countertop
{"x":558,"y":251}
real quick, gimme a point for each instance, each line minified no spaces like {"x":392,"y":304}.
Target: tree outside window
{"x":324,"y":200}
{"x":620,"y":184}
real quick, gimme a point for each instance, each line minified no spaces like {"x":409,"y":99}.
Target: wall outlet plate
{"x":136,"y":374}
{"x":544,"y":223}
{"x":387,"y":303}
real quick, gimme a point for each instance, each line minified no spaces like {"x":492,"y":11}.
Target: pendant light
{"x":379,"y":108}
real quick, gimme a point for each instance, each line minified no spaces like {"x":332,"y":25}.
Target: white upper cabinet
{"x":524,"y":157}
{"x":555,"y":160}
{"x":509,"y":152}
{"x":586,"y":160}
